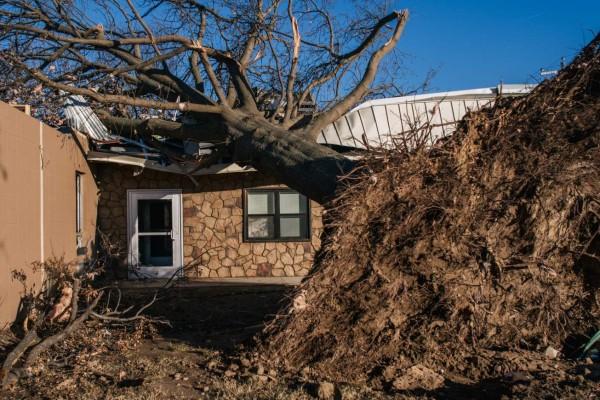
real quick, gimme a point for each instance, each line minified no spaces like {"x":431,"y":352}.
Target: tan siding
{"x":62,"y":159}
{"x":20,"y":199}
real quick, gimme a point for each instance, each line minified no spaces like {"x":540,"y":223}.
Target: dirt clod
{"x":212,"y":365}
{"x":328,"y":391}
{"x":418,"y":377}
{"x":520,"y":376}
{"x":551,"y":353}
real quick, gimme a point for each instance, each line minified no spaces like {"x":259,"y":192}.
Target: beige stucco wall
{"x":213,"y":244}
{"x":37,"y":178}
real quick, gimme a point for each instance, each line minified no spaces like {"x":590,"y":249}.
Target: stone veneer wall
{"x":213,"y":243}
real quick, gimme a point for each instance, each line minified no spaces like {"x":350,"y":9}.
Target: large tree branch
{"x":301,"y":164}
{"x":342,"y":60}
{"x":294,"y":66}
{"x":111,"y":98}
{"x":146,"y":28}
{"x":163,"y":77}
{"x":156,"y":77}
{"x":238,"y":77}
{"x":211,"y":130}
{"x":214,"y":80}
{"x":52,"y":340}
{"x":278,"y":107}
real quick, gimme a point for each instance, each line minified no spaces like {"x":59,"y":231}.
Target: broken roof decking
{"x":81,"y":117}
{"x":377,"y":123}
{"x":124,"y":159}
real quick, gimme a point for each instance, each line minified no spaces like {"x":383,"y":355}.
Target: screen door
{"x":154,"y":221}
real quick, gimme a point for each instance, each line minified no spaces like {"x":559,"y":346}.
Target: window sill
{"x":283,"y":240}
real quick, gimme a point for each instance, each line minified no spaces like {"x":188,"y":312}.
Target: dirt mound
{"x":488,"y":242}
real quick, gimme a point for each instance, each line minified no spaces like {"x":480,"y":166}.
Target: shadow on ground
{"x":220,"y":317}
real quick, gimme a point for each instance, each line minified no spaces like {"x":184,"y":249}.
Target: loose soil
{"x":452,"y":257}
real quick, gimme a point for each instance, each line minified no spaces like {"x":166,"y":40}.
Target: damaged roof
{"x":376,"y":123}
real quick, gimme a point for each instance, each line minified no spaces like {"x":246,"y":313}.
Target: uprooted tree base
{"x":488,"y":242}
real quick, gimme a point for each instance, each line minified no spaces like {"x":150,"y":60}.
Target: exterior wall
{"x":37,"y":201}
{"x":213,"y":243}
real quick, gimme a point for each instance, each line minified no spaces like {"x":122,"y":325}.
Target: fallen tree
{"x":487,"y":242}
{"x":241,"y":74}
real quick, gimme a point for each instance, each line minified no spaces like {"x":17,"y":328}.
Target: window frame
{"x":78,"y":207}
{"x":276,"y":216}
{"x":81,"y":248}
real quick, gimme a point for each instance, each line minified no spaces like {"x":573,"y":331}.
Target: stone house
{"x":232,"y":224}
{"x":168,"y":206}
{"x":223,"y":220}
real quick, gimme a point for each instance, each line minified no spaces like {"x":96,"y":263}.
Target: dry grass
{"x":94,"y":364}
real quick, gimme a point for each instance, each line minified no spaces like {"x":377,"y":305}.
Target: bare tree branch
{"x":261,"y":63}
{"x":52,"y":340}
{"x":362,"y":88}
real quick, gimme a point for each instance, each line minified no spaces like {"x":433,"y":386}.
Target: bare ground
{"x":203,"y":356}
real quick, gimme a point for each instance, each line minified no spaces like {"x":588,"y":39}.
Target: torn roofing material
{"x":379,"y":123}
{"x":81,"y":117}
{"x":166,"y":155}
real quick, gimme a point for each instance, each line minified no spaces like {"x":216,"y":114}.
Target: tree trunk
{"x":298,"y":162}
{"x":295,"y":159}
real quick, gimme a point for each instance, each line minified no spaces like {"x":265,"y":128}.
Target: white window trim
{"x":79,"y":208}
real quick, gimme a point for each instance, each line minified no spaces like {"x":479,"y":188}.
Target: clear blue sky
{"x":480,"y":43}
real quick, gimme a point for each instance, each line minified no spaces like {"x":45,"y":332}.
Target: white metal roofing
{"x":380,"y":123}
{"x":182,"y":168}
{"x":80,"y":116}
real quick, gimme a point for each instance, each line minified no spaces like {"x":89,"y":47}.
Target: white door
{"x":154,"y":230}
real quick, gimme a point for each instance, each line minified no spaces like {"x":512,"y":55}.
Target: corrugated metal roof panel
{"x":385,"y":121}
{"x":80,"y":116}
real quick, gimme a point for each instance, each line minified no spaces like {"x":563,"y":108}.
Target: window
{"x":78,"y":208}
{"x":275,"y":215}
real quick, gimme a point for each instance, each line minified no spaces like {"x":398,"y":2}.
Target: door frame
{"x":134,"y":270}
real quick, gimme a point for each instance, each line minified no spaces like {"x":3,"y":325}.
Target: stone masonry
{"x":213,"y":244}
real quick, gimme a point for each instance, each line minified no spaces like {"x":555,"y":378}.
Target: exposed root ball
{"x":488,"y":242}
